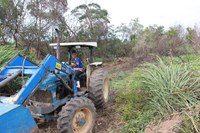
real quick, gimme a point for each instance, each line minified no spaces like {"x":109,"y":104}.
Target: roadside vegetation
{"x":154,"y":91}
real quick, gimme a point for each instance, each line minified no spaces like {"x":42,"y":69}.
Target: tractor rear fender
{"x":96,"y":64}
{"x":90,"y":69}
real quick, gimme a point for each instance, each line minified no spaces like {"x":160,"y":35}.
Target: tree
{"x":44,"y":15}
{"x":175,"y":36}
{"x":11,"y":17}
{"x":193,"y":37}
{"x":93,"y":21}
{"x":131,"y":32}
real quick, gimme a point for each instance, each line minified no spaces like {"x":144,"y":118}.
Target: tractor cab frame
{"x":71,"y":46}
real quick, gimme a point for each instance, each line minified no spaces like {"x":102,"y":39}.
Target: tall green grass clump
{"x":6,"y":53}
{"x":171,"y":87}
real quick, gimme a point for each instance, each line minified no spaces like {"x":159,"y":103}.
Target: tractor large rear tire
{"x":99,"y":87}
{"x":77,"y":116}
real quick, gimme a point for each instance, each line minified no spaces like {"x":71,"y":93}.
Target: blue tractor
{"x":50,"y":92}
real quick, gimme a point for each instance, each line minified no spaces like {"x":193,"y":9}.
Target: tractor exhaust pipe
{"x":58,"y":44}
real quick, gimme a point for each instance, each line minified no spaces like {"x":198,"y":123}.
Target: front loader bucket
{"x":16,"y":119}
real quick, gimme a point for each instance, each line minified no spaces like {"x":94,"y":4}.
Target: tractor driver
{"x":78,"y":66}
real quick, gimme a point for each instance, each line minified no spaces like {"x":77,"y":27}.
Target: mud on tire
{"x":99,"y":87}
{"x":77,"y":116}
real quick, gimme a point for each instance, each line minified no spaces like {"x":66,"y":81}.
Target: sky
{"x":161,"y":12}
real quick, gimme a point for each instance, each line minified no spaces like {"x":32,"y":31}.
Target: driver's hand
{"x":73,"y":64}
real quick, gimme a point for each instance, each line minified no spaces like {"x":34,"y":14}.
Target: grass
{"x":135,"y":109}
{"x":172,"y":88}
{"x":192,"y":59}
{"x":191,"y":122}
{"x":152,"y":91}
{"x":97,"y":59}
{"x":7,"y":52}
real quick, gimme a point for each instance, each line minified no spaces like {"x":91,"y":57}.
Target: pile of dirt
{"x":166,"y":126}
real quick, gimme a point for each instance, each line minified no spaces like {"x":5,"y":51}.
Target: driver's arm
{"x":75,"y":63}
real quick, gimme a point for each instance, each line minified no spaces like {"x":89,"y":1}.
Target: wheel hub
{"x":81,"y":121}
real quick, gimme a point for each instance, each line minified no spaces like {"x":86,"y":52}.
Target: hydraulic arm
{"x":20,"y":65}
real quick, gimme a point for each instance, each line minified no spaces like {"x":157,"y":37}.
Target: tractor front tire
{"x":99,"y":87}
{"x":77,"y":116}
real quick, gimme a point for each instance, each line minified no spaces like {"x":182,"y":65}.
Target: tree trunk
{"x":4,"y":40}
{"x":171,"y":54}
{"x":16,"y":41}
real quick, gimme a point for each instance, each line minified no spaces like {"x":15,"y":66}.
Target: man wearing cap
{"x":78,"y":66}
